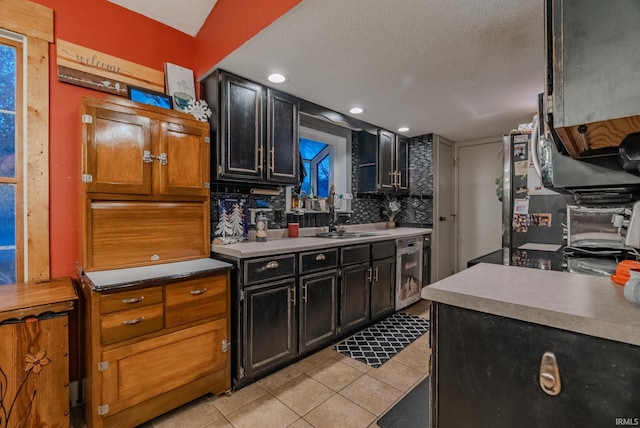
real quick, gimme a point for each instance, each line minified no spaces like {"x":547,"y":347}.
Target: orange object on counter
{"x":622,"y":271}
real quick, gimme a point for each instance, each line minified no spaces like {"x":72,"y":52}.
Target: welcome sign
{"x":88,"y":68}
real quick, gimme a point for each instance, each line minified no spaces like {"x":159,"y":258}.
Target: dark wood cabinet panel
{"x":383,"y":288}
{"x":402,"y":164}
{"x":282,"y":138}
{"x":241,"y":129}
{"x":487,"y":374}
{"x":318,"y":310}
{"x":270,"y":327}
{"x":383,"y":162}
{"x":315,"y":261}
{"x":354,"y":296}
{"x":386,"y":160}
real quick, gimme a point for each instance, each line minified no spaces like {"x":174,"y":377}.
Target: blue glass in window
{"x":305,"y":186}
{"x":7,"y":233}
{"x":309,"y":149}
{"x":7,"y":145}
{"x":324,"y":176}
{"x":7,"y":78}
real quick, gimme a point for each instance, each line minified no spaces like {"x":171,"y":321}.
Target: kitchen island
{"x":526,"y":347}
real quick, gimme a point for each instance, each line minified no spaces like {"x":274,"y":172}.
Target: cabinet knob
{"x":320,"y":257}
{"x":549,"y":374}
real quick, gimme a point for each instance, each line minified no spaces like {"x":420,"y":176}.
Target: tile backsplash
{"x":417,"y":206}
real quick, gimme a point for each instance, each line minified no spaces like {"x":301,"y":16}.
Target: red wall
{"x":113,"y":30}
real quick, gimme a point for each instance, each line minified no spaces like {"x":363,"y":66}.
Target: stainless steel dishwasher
{"x":408,"y":270}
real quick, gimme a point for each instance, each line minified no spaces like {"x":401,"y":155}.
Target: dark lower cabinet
{"x":383,"y":288}
{"x":354,"y":297}
{"x":487,"y":368}
{"x":269,"y":328}
{"x":318,"y":310}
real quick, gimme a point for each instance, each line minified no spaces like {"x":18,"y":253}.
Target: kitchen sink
{"x":347,"y":235}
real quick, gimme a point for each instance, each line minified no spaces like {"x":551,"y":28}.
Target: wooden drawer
{"x":382,"y":250}
{"x":269,"y":268}
{"x":122,"y":325}
{"x":147,"y":369}
{"x":196,"y":299}
{"x":130,"y":299}
{"x":355,"y":254}
{"x":316,"y":261}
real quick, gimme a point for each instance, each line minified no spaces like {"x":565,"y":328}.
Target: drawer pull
{"x":375,"y":274}
{"x":133,"y":300}
{"x":320,"y":257}
{"x":133,"y":321}
{"x":273,"y":265}
{"x":197,"y":292}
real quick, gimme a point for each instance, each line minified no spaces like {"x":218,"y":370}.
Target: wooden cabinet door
{"x":487,"y":370}
{"x":354,"y":296}
{"x":115,"y":147}
{"x":386,"y":160}
{"x":183,"y":166}
{"x":318,"y":310}
{"x":241,"y":130}
{"x":269,"y":326}
{"x":367,"y":162}
{"x":283,"y":155}
{"x":144,"y":370}
{"x":402,"y":164}
{"x":383,"y":288}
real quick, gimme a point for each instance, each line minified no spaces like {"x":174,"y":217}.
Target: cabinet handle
{"x":550,"y":374}
{"x":133,"y":321}
{"x":393,"y":178}
{"x":147,"y":157}
{"x":260,"y":158}
{"x":399,"y":180}
{"x":369,"y":274}
{"x":320,"y":257}
{"x":375,"y":275}
{"x":196,"y":292}
{"x":272,"y":265}
{"x":272,"y":165}
{"x":293,"y":300}
{"x":133,"y":300}
{"x":162,"y":158}
{"x":304,"y":292}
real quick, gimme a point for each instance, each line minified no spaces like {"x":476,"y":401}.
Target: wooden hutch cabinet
{"x":156,"y":307}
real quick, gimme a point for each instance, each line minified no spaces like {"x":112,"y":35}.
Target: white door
{"x":443,"y":210}
{"x":479,"y":210}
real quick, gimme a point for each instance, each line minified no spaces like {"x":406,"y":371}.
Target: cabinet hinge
{"x":103,"y":410}
{"x":87,"y":178}
{"x":339,"y":273}
{"x":207,"y":185}
{"x":103,"y":365}
{"x":220,"y":170}
{"x":87,"y":118}
{"x":549,"y":105}
{"x":241,"y":295}
{"x":241,"y":372}
{"x":225,"y":345}
{"x":454,"y":161}
{"x":207,"y":140}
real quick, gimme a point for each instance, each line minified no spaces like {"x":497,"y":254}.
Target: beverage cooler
{"x":408,"y":270}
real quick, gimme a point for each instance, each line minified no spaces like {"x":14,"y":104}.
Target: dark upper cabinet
{"x":383,"y":162}
{"x":255,"y":129}
{"x":282,"y":138}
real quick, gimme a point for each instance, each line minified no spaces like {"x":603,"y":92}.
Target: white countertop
{"x":291,"y":245}
{"x":587,"y":304}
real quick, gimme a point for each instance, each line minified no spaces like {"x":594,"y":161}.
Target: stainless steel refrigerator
{"x":531,"y":214}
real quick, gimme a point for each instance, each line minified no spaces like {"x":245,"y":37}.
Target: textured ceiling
{"x":465,"y":69}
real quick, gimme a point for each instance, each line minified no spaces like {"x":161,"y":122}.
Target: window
{"x":317,"y":160}
{"x":11,"y":254}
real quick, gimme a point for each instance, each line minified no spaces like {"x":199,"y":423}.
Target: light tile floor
{"x":326,"y":389}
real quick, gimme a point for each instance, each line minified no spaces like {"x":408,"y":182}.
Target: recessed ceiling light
{"x":403,"y":129}
{"x":356,"y":110}
{"x":276,"y":78}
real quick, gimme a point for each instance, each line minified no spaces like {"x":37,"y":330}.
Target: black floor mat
{"x":377,"y":344}
{"x":410,"y":412}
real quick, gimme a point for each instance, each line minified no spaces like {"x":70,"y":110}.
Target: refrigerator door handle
{"x":533,"y":145}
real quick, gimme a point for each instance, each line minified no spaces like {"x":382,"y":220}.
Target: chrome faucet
{"x":333,"y":224}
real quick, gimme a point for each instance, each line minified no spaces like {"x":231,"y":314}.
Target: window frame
{"x":34,"y":23}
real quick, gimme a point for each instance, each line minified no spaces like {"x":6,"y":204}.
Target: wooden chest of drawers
{"x":155,"y":344}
